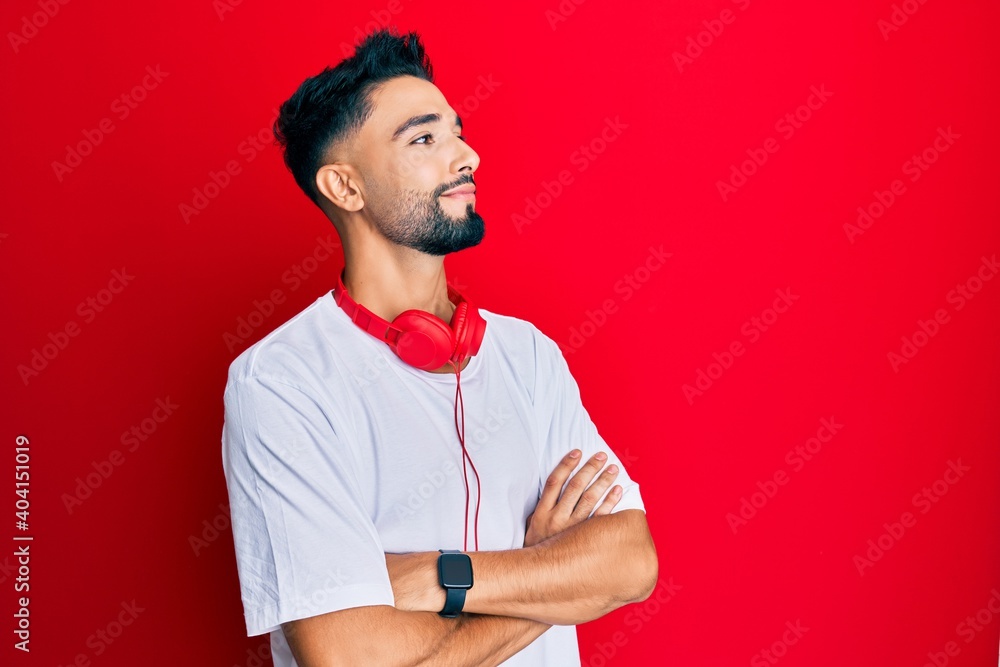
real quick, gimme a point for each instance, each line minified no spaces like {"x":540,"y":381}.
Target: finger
{"x":589,"y":498}
{"x":578,"y":483}
{"x":610,"y":501}
{"x":554,"y":484}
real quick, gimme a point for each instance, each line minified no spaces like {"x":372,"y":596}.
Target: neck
{"x":448,"y":368}
{"x":404,"y":279}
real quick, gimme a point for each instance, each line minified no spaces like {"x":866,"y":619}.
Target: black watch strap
{"x":453,"y":603}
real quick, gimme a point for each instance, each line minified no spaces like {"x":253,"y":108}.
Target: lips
{"x":462,"y":190}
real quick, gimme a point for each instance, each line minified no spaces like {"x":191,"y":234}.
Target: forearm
{"x":573,"y":577}
{"x":390,"y":637}
{"x":484,"y":640}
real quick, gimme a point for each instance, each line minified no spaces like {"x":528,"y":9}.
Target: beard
{"x":417,"y":220}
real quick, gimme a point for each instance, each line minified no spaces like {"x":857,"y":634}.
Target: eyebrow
{"x":423,"y":119}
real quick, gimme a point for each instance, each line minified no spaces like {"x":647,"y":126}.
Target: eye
{"x":430,"y":136}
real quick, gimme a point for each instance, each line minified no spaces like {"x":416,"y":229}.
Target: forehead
{"x":402,"y":100}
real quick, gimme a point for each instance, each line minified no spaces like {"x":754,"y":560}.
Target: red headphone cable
{"x":466,"y":456}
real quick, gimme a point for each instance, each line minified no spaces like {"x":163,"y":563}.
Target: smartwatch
{"x":455,"y":577}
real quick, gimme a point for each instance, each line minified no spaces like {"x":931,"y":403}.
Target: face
{"x":414,"y":152}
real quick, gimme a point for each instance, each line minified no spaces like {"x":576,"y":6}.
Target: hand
{"x":554,"y":513}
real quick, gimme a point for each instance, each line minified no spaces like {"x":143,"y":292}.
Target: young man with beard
{"x":368,"y":528}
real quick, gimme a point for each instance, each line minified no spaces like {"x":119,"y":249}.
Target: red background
{"x":555,"y":84}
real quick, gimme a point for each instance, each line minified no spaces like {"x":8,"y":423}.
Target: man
{"x":348,"y":472}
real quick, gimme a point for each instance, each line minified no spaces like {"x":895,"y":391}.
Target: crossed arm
{"x":573,"y":568}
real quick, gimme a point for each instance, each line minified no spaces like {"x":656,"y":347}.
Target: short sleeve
{"x":305,"y":543}
{"x":564,"y":424}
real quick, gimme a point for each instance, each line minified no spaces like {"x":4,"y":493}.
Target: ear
{"x":337,"y":184}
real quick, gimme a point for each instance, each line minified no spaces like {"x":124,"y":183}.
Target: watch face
{"x":455,"y":570}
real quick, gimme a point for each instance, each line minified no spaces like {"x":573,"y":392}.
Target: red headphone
{"x":419,"y":338}
{"x":425,"y":341}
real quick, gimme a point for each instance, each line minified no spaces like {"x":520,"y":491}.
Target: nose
{"x":466,"y":159}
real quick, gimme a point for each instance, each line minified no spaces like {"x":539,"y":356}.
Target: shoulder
{"x":525,"y":349}
{"x":288,"y":353}
{"x":514,"y":333}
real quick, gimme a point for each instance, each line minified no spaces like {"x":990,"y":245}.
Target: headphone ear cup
{"x":475,"y":330}
{"x":426,"y":342}
{"x":459,"y":327}
{"x":469,"y":329}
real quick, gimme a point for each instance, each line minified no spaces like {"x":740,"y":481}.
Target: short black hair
{"x":335,"y":103}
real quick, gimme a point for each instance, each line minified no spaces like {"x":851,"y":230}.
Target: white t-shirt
{"x":336,"y":452}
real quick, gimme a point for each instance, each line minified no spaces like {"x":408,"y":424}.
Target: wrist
{"x":433,"y":597}
{"x":414,"y":581}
